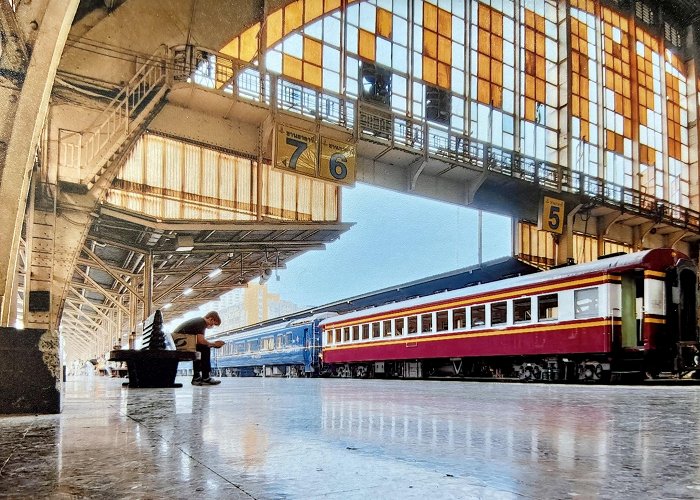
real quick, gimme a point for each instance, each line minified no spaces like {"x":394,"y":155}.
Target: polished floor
{"x":356,"y":439}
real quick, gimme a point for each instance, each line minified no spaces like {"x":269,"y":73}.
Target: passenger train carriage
{"x":622,"y":317}
{"x":290,"y":348}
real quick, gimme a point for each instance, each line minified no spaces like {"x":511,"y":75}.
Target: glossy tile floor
{"x":341,"y":439}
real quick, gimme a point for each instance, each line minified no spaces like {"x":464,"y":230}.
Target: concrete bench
{"x":155,"y":365}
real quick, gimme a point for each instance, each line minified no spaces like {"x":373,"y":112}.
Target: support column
{"x":27,"y":117}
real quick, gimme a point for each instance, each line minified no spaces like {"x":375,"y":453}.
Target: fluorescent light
{"x":167,"y":306}
{"x":215,"y":272}
{"x":187,"y":291}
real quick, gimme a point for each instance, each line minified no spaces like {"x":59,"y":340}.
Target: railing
{"x":227,"y":75}
{"x":115,"y":119}
{"x":14,"y":4}
{"x":81,"y":150}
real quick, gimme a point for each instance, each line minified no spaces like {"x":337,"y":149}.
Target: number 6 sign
{"x":337,"y":161}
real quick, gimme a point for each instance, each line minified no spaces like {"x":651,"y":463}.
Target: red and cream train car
{"x":626,"y":315}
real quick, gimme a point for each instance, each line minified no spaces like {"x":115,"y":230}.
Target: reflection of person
{"x":197,"y":326}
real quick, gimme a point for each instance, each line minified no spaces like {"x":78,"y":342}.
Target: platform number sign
{"x":337,"y":161}
{"x":552,"y":215}
{"x":298,"y":150}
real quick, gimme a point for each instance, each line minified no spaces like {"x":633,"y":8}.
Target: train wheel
{"x":529,"y":372}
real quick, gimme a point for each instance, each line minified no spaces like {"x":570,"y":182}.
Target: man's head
{"x":212,"y":318}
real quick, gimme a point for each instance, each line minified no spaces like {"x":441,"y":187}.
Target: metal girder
{"x":94,"y":323}
{"x":110,"y":297}
{"x":90,"y":263}
{"x":85,"y":301}
{"x":109,"y":271}
{"x":185,"y":278}
{"x":176,"y":225}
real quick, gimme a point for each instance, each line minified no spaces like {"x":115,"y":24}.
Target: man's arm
{"x":201,"y":340}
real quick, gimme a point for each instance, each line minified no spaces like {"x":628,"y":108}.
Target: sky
{"x":396,"y":238}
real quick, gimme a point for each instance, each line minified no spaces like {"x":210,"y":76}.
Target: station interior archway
{"x":139,"y":152}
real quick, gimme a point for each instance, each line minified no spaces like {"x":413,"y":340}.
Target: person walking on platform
{"x":197,"y":326}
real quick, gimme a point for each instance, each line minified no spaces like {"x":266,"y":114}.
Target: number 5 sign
{"x":552,"y":215}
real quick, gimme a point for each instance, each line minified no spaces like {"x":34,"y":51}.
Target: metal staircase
{"x":92,"y":154}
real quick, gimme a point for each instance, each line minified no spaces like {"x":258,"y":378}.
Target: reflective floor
{"x":333,"y":438}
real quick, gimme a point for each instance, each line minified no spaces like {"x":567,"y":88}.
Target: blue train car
{"x":284,"y":349}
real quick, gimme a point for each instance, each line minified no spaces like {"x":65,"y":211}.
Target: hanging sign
{"x":309,"y":154}
{"x":297,"y":150}
{"x":552,"y":215}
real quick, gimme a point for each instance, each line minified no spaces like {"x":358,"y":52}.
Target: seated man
{"x":197,"y":326}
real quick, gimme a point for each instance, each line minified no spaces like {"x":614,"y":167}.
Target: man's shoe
{"x":197,"y":381}
{"x":209,"y":381}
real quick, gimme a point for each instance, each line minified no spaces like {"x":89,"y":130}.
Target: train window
{"x":426,"y":323}
{"x":280,"y":341}
{"x":499,"y":313}
{"x":338,"y":335}
{"x":268,"y":344}
{"x":400,"y":326}
{"x":522,"y":310}
{"x":365,"y":331}
{"x":346,"y":334}
{"x":239,"y":348}
{"x":441,"y":321}
{"x":375,"y":330}
{"x":356,"y":332}
{"x":459,"y":318}
{"x":330,"y":336}
{"x":387,"y":328}
{"x":478,"y":316}
{"x":412,"y":325}
{"x":586,"y":303}
{"x":547,"y":306}
{"x":288,"y":340}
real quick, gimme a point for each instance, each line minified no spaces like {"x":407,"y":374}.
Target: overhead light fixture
{"x":184,"y":243}
{"x":265,"y":275}
{"x":215,"y":272}
{"x":187,"y":291}
{"x":167,"y":306}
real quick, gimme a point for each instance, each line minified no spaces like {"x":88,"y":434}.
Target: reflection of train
{"x":625,"y":315}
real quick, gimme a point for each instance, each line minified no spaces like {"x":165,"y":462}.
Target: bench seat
{"x":151,"y":368}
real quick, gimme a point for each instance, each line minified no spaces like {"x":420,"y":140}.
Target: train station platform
{"x":345,"y":438}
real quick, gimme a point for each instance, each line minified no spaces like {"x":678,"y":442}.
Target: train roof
{"x":493,"y":270}
{"x":657,"y":259}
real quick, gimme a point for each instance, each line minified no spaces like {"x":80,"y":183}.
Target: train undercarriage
{"x":602,"y":368}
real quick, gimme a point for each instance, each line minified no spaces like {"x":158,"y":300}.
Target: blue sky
{"x":397,"y":238}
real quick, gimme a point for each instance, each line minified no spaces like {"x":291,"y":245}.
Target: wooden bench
{"x":154,"y":365}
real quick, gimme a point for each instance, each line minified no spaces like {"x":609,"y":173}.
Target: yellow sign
{"x":337,"y":161}
{"x":552,"y":215}
{"x":297,"y":150}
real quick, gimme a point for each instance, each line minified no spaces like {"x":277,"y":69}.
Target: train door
{"x":632,"y":310}
{"x":681,"y":313}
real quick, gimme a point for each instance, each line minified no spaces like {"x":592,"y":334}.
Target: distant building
{"x":246,"y":306}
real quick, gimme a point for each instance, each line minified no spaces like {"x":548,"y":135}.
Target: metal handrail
{"x":244,"y":80}
{"x":116,"y":117}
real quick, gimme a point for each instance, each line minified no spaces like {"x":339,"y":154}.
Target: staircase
{"x":93,"y":153}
